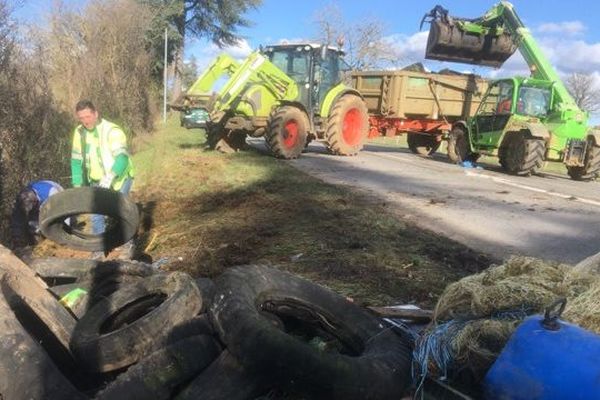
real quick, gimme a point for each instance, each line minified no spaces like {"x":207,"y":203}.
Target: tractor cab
{"x":315,"y":68}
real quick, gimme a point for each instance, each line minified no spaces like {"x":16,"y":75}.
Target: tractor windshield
{"x":294,"y":61}
{"x":533,"y":101}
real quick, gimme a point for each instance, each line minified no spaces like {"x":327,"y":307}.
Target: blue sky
{"x":567,"y":30}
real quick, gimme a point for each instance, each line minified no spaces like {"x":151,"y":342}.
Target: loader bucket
{"x":447,"y":42}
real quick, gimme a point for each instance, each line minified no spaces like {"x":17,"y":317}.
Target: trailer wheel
{"x":347,"y":126}
{"x":591,"y":168}
{"x":458,"y":146}
{"x":520,"y":155}
{"x":423,"y":145}
{"x":287,"y":132}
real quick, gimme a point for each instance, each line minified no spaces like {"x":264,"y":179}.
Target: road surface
{"x":547,"y":216}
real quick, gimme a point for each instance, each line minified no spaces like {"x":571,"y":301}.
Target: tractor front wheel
{"x":287,"y":132}
{"x":591,"y":167}
{"x":347,"y":126}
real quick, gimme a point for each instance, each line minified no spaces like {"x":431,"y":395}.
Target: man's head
{"x":86,"y":114}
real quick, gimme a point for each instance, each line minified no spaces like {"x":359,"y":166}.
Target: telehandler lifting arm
{"x":490,"y":40}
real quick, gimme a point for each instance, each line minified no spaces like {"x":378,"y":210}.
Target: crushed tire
{"x":26,"y":296}
{"x":224,"y":379}
{"x":67,"y":270}
{"x":102,"y":346}
{"x":458,"y":145}
{"x":10,"y":263}
{"x":89,"y":200}
{"x":26,"y":370}
{"x":374,"y":363}
{"x":156,"y":376}
{"x":207,"y":288}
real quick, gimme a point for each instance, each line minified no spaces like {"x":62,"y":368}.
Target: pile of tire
{"x":82,"y":329}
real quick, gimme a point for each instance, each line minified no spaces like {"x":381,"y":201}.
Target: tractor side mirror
{"x":323,"y":51}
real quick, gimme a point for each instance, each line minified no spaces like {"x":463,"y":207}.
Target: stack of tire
{"x":79,"y":329}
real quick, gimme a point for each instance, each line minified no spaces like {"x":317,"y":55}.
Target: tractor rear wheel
{"x":287,"y":132}
{"x":423,"y":145}
{"x":591,"y":167}
{"x":458,"y":145}
{"x":521,"y":155}
{"x":347,"y":126}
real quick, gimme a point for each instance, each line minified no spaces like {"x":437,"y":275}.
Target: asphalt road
{"x":547,"y":216}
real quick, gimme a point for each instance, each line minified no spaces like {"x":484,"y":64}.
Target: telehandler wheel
{"x":423,"y":145}
{"x":591,"y":168}
{"x":287,"y":132}
{"x":458,"y":145}
{"x":347,"y":126}
{"x":520,"y":155}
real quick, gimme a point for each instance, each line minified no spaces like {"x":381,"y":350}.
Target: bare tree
{"x":585,"y":90}
{"x":99,"y":53}
{"x":363,"y":41}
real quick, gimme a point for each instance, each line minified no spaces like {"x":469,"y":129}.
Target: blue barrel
{"x":539,"y":363}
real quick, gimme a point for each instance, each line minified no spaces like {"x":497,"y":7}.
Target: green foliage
{"x":215,"y":20}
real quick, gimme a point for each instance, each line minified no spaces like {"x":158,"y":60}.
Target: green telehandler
{"x":521,"y":120}
{"x":290,"y":94}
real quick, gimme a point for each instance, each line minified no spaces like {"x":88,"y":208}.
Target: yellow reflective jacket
{"x":102,"y":146}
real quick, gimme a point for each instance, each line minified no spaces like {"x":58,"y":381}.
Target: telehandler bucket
{"x":448,"y":42}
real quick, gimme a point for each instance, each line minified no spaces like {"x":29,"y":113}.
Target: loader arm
{"x":259,"y":75}
{"x":222,"y":65}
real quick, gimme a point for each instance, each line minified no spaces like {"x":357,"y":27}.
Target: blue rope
{"x":435,"y":347}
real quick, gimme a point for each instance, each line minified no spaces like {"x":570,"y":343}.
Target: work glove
{"x":106,"y":181}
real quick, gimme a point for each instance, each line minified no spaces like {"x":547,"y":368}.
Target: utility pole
{"x":165,"y":76}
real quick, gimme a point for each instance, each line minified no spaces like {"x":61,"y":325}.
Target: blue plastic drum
{"x":543,"y":363}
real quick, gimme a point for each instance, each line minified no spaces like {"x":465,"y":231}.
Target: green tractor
{"x":290,"y":94}
{"x":521,"y":120}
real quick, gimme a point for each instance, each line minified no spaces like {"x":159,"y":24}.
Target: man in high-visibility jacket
{"x":99,"y":155}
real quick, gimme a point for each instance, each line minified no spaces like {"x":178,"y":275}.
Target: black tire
{"x":379,"y":367}
{"x":93,"y":291}
{"x":89,"y":200}
{"x":287,"y":132}
{"x":423,"y":145}
{"x":224,"y":379}
{"x":156,"y":376}
{"x":102,"y":349}
{"x":207,"y":288}
{"x":520,"y":155}
{"x":458,"y":145}
{"x":347,"y":126}
{"x":26,"y":370}
{"x":591,"y":168}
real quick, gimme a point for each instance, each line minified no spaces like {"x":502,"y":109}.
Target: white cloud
{"x":569,"y":28}
{"x":408,"y":48}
